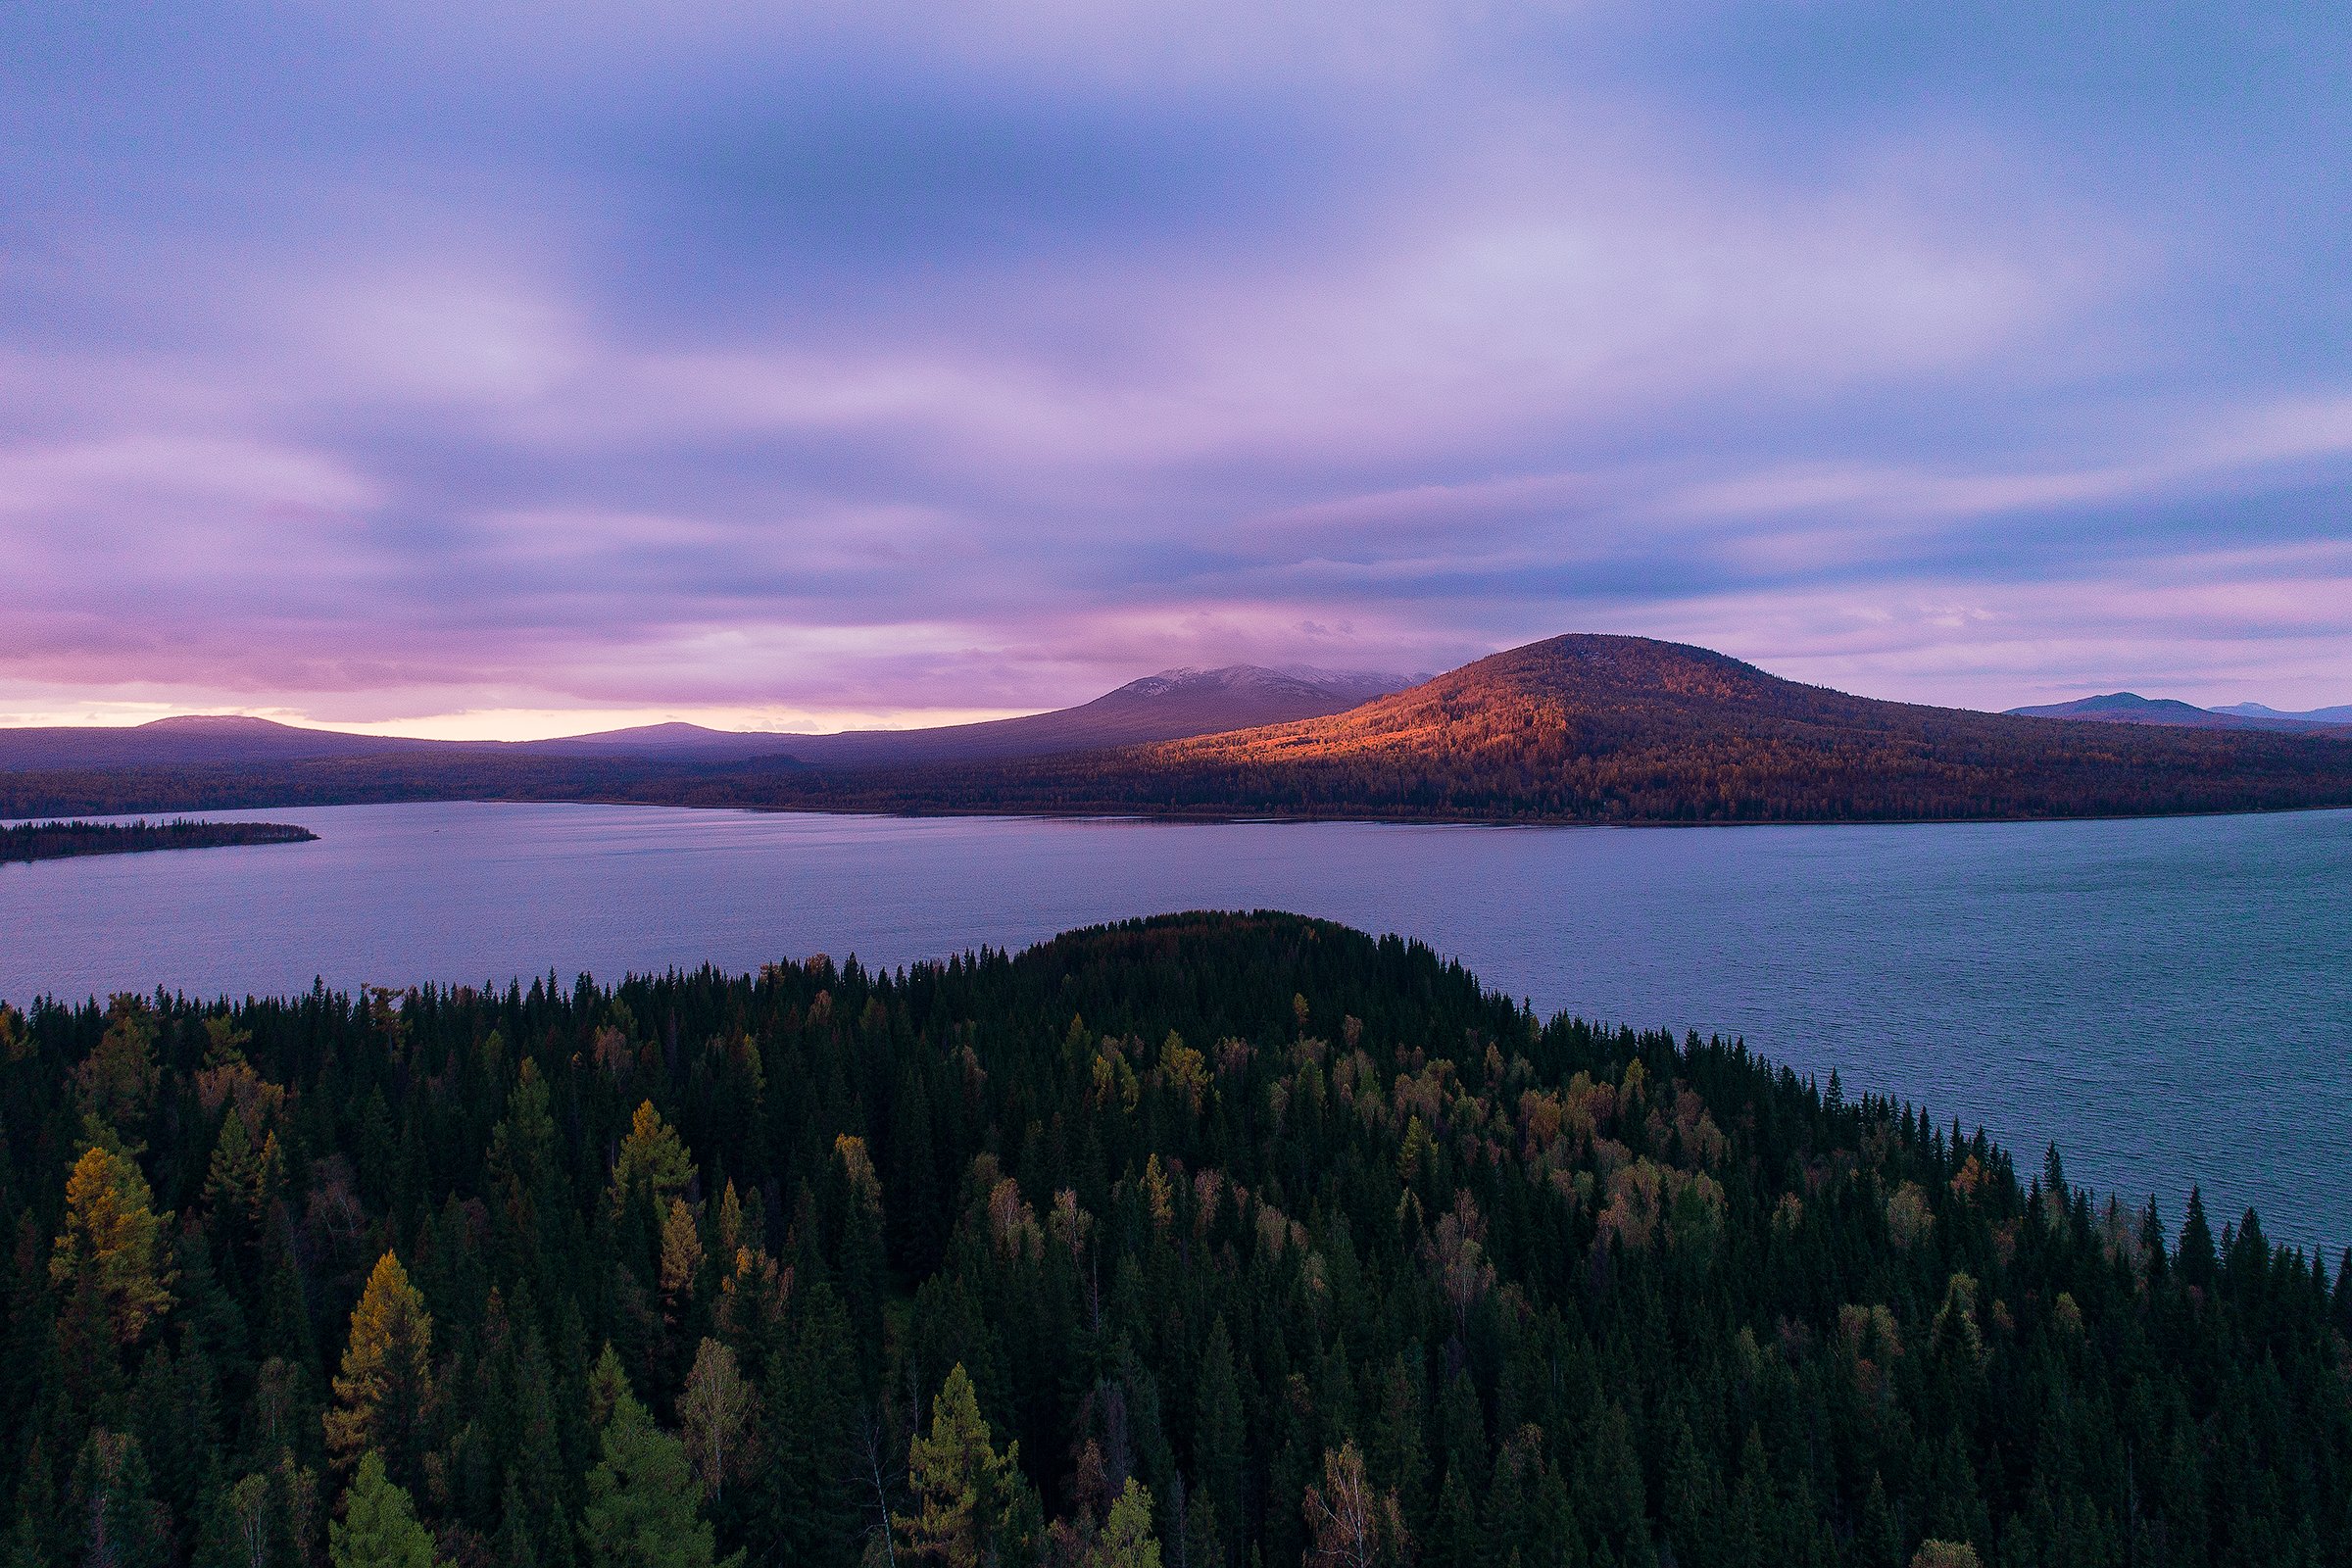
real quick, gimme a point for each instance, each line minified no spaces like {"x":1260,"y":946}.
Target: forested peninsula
{"x":58,"y":840}
{"x":1204,"y":1242}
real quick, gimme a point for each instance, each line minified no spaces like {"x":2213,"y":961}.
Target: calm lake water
{"x":2169,"y":1001}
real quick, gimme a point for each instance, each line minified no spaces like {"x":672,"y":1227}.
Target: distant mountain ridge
{"x":1168,"y":706}
{"x":1577,"y":729}
{"x":1600,"y":728}
{"x":2339,"y":714}
{"x":194,"y":740}
{"x":2130,"y":707}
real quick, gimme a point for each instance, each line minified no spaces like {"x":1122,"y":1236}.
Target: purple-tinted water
{"x":2171,"y":1001}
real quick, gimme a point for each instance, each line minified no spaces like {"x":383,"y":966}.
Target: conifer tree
{"x":863,"y":1262}
{"x":385,"y":1386}
{"x":117,"y":1079}
{"x":652,"y":1155}
{"x":640,"y":1511}
{"x":966,"y":1493}
{"x":807,"y":1509}
{"x":2195,"y":1256}
{"x":378,"y":1528}
{"x":518,"y":1542}
{"x":1395,"y":1451}
{"x":1219,"y":1433}
{"x":1126,"y":1539}
{"x":121,"y":1523}
{"x":1878,"y":1543}
{"x":110,"y":1251}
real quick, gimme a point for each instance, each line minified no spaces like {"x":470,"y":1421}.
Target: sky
{"x":510,"y":370}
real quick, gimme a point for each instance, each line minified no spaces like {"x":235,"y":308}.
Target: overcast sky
{"x":491,"y":368}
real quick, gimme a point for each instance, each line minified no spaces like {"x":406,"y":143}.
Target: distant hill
{"x":2341,"y":714}
{"x":194,"y":739}
{"x":1168,"y":706}
{"x":2130,"y":707}
{"x":1595,"y":728}
{"x":674,"y":739}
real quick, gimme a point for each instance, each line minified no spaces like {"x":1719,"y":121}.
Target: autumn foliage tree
{"x":717,"y":1409}
{"x":1348,"y":1524}
{"x":109,"y":1261}
{"x":385,"y":1385}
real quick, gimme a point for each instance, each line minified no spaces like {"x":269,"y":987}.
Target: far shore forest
{"x":59,"y":841}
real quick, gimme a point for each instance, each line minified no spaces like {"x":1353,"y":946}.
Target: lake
{"x":2171,"y":1001}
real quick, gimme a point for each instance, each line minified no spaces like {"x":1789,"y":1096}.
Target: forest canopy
{"x":1204,"y":1242}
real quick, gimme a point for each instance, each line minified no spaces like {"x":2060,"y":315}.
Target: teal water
{"x":2169,"y":1001}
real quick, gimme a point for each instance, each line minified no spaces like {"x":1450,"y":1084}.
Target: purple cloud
{"x":812,"y":368}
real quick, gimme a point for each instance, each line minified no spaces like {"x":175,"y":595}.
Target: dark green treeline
{"x":1257,"y":1242}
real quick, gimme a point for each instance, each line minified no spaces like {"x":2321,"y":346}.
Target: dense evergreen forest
{"x":1207,"y":1242}
{"x":57,"y":841}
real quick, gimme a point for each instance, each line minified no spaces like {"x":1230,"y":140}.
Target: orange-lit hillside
{"x":1573,"y":729}
{"x":1606,"y":728}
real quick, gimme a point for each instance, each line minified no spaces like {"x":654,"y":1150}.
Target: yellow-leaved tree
{"x":385,"y":1386}
{"x":651,"y":1153}
{"x":108,"y":1262}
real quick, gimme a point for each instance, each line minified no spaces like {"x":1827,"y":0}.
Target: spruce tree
{"x":640,"y":1511}
{"x":378,"y":1528}
{"x":1219,"y":1434}
{"x":966,"y":1493}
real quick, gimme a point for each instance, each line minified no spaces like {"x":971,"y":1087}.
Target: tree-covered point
{"x":1206,"y":1242}
{"x":57,"y":841}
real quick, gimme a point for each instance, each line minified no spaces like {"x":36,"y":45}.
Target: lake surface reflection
{"x":2171,"y":1001}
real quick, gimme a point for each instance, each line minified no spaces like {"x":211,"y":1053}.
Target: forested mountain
{"x":1169,"y":706}
{"x":1208,"y":1242}
{"x":1624,"y":729}
{"x":1575,"y":729}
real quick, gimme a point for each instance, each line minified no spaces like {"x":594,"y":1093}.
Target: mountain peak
{"x":2130,"y":707}
{"x":218,"y":725}
{"x":1222,"y":677}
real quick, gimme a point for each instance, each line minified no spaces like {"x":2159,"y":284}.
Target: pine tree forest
{"x":1205,"y":1241}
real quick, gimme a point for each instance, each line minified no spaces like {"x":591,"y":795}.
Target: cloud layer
{"x":513,"y":368}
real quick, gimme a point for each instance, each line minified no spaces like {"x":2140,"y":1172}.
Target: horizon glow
{"x":511,"y":370}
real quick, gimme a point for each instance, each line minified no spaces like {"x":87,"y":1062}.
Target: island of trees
{"x":1207,"y":1242}
{"x":57,"y":841}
